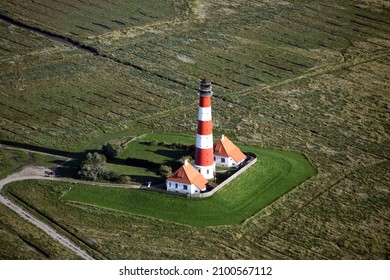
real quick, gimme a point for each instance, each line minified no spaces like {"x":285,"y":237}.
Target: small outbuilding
{"x":186,"y":180}
{"x":227,"y":154}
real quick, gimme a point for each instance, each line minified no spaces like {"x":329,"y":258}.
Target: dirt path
{"x":37,"y":173}
{"x":34,"y":172}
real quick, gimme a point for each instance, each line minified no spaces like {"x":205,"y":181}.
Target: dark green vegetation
{"x":116,"y":234}
{"x":275,"y":174}
{"x":141,"y":159}
{"x":93,"y":168}
{"x":111,"y":150}
{"x":308,"y":76}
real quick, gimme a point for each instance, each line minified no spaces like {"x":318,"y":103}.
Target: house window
{"x":170,"y":184}
{"x":176,"y":186}
{"x":222,"y":159}
{"x":208,"y":171}
{"x":185,"y":187}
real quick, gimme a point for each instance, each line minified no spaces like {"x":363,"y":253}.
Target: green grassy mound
{"x":275,"y":173}
{"x":155,"y":155}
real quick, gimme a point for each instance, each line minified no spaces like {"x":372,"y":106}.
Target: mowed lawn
{"x":157,"y":155}
{"x":275,"y":173}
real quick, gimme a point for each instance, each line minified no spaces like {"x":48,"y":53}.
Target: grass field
{"x":156,"y":155}
{"x":19,"y":239}
{"x":143,"y":74}
{"x":12,"y":160}
{"x":275,"y":174}
{"x":305,"y":76}
{"x":354,"y":231}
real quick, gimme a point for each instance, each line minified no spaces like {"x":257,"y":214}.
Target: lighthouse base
{"x":206,"y":171}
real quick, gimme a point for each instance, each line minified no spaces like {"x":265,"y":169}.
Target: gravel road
{"x":34,"y":172}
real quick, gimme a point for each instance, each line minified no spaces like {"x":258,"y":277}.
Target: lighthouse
{"x":204,"y":153}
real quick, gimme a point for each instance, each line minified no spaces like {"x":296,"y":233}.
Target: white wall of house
{"x":181,"y":188}
{"x":226,"y":162}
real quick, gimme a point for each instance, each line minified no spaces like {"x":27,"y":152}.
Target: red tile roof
{"x":187,"y":174}
{"x":226,"y":148}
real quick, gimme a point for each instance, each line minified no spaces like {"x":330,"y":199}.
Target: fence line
{"x":153,"y":189}
{"x":227,"y":181}
{"x":251,"y":162}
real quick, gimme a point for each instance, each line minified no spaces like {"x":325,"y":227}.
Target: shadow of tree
{"x":71,"y":167}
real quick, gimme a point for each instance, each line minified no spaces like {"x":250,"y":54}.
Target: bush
{"x":154,"y":143}
{"x":184,"y":158}
{"x":93,"y":168}
{"x":124,"y":179}
{"x":111,"y":151}
{"x":176,"y":145}
{"x":92,"y":172}
{"x":165,"y":171}
{"x":94,"y":158}
{"x":112,"y":176}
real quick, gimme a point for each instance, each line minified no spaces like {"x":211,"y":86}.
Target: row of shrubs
{"x":112,"y":150}
{"x":93,"y":168}
{"x":176,"y":145}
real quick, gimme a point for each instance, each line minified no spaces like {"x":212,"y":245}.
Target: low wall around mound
{"x":251,"y":162}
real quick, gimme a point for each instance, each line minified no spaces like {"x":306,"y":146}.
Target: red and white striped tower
{"x":204,"y":153}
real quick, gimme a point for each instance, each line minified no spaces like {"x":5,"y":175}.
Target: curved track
{"x":28,"y":173}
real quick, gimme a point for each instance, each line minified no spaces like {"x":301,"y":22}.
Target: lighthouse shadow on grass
{"x":149,"y":165}
{"x":174,"y":156}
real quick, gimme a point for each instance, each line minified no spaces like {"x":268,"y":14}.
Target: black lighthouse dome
{"x":205,"y":88}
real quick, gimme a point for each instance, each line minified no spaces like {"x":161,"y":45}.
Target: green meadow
{"x":275,"y":173}
{"x":306,"y":76}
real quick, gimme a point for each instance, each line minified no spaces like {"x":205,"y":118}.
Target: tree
{"x":111,"y":150}
{"x":154,"y":143}
{"x":124,"y":179}
{"x":93,"y":168}
{"x":94,"y":158}
{"x":165,"y":171}
{"x":184,"y":158}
